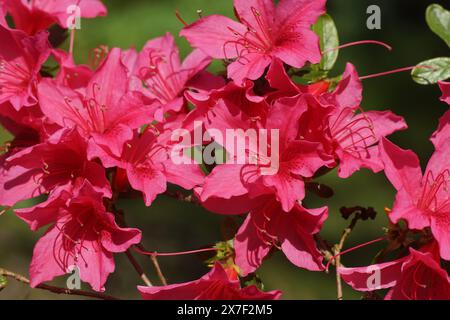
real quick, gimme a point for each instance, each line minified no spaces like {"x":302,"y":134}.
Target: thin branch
{"x":327,"y":252}
{"x":58,"y":290}
{"x":153,"y":257}
{"x":337,"y":250}
{"x":161,"y":276}
{"x":155,"y":263}
{"x":119,"y":214}
{"x":325,"y":249}
{"x":138,"y":268}
{"x":340,"y":295}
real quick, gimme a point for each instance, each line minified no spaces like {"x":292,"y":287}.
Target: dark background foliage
{"x":169,"y":225}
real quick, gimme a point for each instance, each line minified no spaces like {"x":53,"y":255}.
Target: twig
{"x":337,"y":250}
{"x":161,"y":276}
{"x":334,"y":259}
{"x":155,"y":263}
{"x":121,"y":219}
{"x":57,"y":290}
{"x":119,"y":214}
{"x":138,"y":268}
{"x":153,"y":257}
{"x":325,"y":249}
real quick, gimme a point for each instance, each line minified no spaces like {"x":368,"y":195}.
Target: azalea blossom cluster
{"x":85,"y":135}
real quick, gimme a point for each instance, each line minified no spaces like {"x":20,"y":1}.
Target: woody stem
{"x":161,"y":276}
{"x":324,"y":248}
{"x":58,"y":290}
{"x":121,"y":220}
{"x":155,"y":263}
{"x":138,"y":268}
{"x":328,"y":253}
{"x":337,"y":250}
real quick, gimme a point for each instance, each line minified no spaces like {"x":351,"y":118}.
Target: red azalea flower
{"x":21,"y":58}
{"x":82,"y":234}
{"x":418,"y":276}
{"x":346,"y":132}
{"x":264,"y":31}
{"x":163,"y":77}
{"x":105,"y":113}
{"x":59,"y":161}
{"x":145,"y":159}
{"x":269,"y":226}
{"x":291,"y":162}
{"x":34,"y":16}
{"x":423,"y":200}
{"x":215,"y":285}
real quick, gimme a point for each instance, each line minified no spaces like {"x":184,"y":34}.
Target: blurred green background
{"x":169,"y":225}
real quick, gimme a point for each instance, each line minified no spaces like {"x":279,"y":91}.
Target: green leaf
{"x":314,"y":75}
{"x":329,"y":39}
{"x":3,"y":282}
{"x":224,"y":251}
{"x":434,"y":70}
{"x":439,"y":21}
{"x":253,"y":280}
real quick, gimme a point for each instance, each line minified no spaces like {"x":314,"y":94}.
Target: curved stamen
{"x":352,"y":249}
{"x":97,"y":55}
{"x":14,"y":77}
{"x":73,"y":232}
{"x":257,"y":39}
{"x":356,"y":43}
{"x":4,"y":210}
{"x":164,"y":87}
{"x":394,"y":71}
{"x":429,"y":199}
{"x":171,"y":254}
{"x":178,"y":15}
{"x":354,"y":133}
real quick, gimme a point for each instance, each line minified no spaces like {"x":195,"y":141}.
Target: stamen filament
{"x":177,"y":13}
{"x":72,"y":41}
{"x":393,"y":72}
{"x":171,"y":254}
{"x":356,"y":43}
{"x":351,"y":249}
{"x":4,"y":210}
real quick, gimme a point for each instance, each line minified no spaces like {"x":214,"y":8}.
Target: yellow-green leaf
{"x":432,"y":71}
{"x":3,"y":282}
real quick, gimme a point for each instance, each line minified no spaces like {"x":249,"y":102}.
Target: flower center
{"x":75,"y":231}
{"x":257,"y":39}
{"x":262,"y":222}
{"x":91,"y":115}
{"x":436,"y":192}
{"x":165,"y":86}
{"x":14,"y":77}
{"x":353,"y":133}
{"x":421,"y":283}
